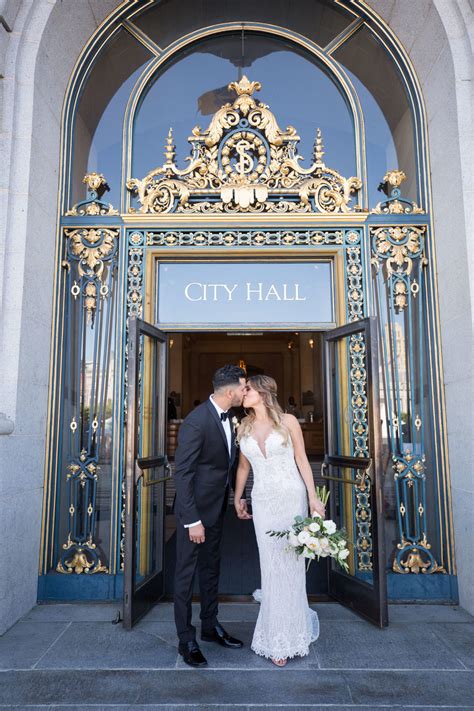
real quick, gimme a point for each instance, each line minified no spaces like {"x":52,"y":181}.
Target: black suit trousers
{"x":206,"y":558}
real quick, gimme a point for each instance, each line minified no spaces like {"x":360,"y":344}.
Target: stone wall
{"x":40,"y":41}
{"x":45,"y":41}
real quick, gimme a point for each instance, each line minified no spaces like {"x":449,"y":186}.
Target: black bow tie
{"x":224,"y":416}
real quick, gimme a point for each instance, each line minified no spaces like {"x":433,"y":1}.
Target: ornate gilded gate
{"x":245,"y":194}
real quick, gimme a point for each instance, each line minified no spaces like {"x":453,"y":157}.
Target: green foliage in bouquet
{"x":314,"y":537}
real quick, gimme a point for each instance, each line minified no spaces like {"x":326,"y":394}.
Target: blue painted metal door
{"x":147,"y":470}
{"x":352,"y":466}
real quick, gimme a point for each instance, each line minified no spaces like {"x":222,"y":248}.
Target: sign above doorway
{"x":235,"y":295}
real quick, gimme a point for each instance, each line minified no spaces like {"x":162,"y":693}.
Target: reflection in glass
{"x":151,"y":412}
{"x":389,"y":128}
{"x":150,"y":526}
{"x":406,"y":415}
{"x":319,"y":20}
{"x":98,"y":121}
{"x":87,"y":417}
{"x":151,"y":418}
{"x":189,"y":90}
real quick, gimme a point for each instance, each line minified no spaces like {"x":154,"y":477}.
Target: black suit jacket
{"x":203,"y":466}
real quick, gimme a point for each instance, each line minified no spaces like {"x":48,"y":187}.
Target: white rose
{"x":314,"y":527}
{"x":314,"y":545}
{"x":329,"y":527}
{"x":303,"y":537}
{"x":324,"y":542}
{"x":317,"y":548}
{"x":293,"y":540}
{"x":342,"y":544}
{"x":343,"y":554}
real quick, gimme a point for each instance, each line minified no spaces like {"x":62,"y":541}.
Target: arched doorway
{"x":385,"y":232}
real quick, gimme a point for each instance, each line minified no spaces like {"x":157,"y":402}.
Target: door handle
{"x":342,"y":480}
{"x":346,"y":480}
{"x":152,"y":482}
{"x":163,"y":479}
{"x":324,"y":468}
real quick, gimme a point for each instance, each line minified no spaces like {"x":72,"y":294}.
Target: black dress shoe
{"x":219,"y":635}
{"x":191,"y":654}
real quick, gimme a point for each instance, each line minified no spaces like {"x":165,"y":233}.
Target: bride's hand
{"x":316,"y":505}
{"x":241,"y":509}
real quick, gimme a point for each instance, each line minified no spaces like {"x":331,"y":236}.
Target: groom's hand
{"x":197,"y":534}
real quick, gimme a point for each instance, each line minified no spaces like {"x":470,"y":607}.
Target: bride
{"x":271,"y":442}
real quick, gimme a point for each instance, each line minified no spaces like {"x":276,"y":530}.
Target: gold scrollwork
{"x":238,"y":238}
{"x":92,"y":247}
{"x":90,"y":299}
{"x":244,"y":162}
{"x":79,"y":563}
{"x":396,"y":247}
{"x":416,"y":561}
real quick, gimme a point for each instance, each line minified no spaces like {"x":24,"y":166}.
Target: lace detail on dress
{"x":284,"y":646}
{"x":286,"y":625}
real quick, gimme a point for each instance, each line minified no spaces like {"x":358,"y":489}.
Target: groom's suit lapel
{"x":217,"y":420}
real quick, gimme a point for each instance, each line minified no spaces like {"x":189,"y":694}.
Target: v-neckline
{"x":263,"y":453}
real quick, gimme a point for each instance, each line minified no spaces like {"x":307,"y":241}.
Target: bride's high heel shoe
{"x":278,"y":662}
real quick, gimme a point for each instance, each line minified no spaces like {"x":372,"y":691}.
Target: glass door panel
{"x":147,"y":470}
{"x":352,"y":467}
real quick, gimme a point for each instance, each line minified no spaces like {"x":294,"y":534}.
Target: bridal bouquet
{"x":315,"y":537}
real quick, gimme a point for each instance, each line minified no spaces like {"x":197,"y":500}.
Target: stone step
{"x":214,"y":689}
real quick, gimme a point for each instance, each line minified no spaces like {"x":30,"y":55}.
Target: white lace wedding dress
{"x":286,"y":625}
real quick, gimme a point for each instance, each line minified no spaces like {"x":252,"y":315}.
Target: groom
{"x":204,"y":467}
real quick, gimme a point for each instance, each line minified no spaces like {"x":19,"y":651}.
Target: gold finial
{"x":170,"y":148}
{"x":94,"y":181}
{"x":394,"y":178}
{"x":244,"y":86}
{"x":318,"y":150}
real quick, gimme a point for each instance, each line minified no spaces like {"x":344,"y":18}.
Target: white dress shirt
{"x":228,"y":433}
{"x":225,"y":423}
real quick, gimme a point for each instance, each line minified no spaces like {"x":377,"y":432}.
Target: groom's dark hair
{"x":227,"y":375}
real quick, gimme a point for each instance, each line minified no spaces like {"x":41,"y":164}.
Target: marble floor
{"x":72,"y":656}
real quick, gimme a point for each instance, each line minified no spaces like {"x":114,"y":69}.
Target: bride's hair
{"x":267,"y":388}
